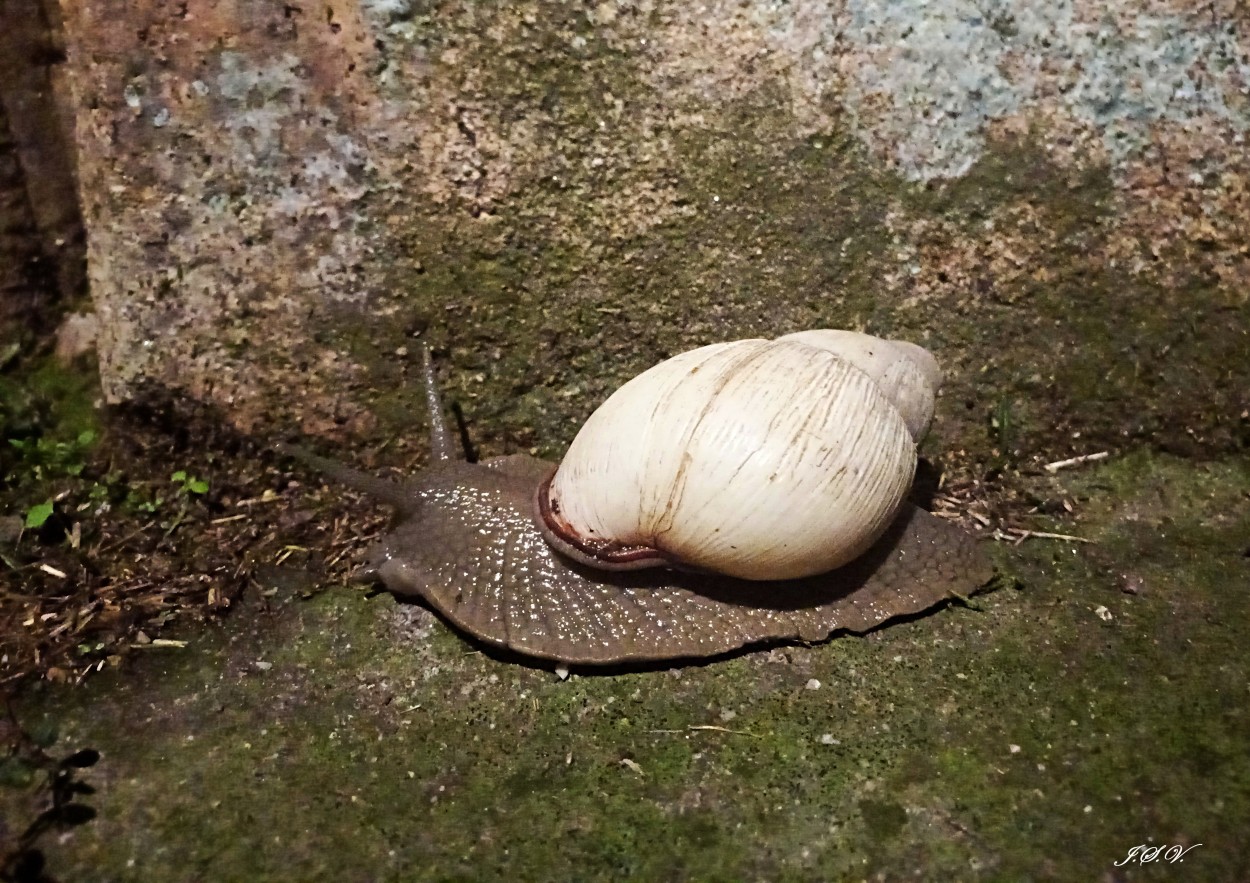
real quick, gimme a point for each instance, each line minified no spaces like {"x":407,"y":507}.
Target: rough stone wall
{"x":19,"y":240}
{"x":42,"y":251}
{"x":280,"y":197}
{"x":222,"y":171}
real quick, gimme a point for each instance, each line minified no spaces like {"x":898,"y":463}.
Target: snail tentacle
{"x":398,"y":494}
{"x":442,"y":448}
{"x":390,"y":492}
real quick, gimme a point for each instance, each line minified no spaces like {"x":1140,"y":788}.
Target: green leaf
{"x":197,"y":486}
{"x":86,"y":437}
{"x":178,"y":476}
{"x":37,"y":515}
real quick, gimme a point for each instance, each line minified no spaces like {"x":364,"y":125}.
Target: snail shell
{"x":758,"y":459}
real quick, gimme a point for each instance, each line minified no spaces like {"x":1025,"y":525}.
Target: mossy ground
{"x":1039,"y":733}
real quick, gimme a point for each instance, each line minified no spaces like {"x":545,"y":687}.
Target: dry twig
{"x":1076,"y":461}
{"x":1017,"y":535}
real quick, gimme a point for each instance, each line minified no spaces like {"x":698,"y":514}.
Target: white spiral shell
{"x":757,"y":459}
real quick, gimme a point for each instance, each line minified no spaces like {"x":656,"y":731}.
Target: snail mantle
{"x":738,"y":494}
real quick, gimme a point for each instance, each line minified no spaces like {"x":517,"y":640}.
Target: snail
{"x":734,"y":495}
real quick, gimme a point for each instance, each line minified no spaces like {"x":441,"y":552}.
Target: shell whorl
{"x":906,"y":373}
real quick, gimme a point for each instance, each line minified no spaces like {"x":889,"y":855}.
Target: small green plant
{"x":189,"y":484}
{"x":40,"y":459}
{"x":103,"y":490}
{"x":47,"y":458}
{"x":186,"y":486}
{"x":1003,"y":425}
{"x":37,"y":515}
{"x":136,"y":501}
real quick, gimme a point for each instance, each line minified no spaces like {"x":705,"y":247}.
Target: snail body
{"x":472,"y":539}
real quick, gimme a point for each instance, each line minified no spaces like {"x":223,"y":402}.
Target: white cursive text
{"x":1145,"y":854}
